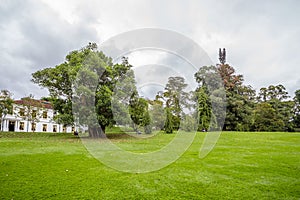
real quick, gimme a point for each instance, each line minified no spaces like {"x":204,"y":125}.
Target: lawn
{"x":241,"y":166}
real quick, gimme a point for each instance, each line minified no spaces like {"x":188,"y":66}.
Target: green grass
{"x":241,"y":166}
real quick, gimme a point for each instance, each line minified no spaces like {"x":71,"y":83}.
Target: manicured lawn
{"x":241,"y":166}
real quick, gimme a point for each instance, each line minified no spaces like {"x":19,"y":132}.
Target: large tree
{"x":58,"y":80}
{"x":239,"y":98}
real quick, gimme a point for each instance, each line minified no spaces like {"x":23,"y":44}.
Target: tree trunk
{"x":96,"y":131}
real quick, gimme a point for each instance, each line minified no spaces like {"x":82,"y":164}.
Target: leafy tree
{"x":189,"y":123}
{"x":277,"y":97}
{"x":95,"y":83}
{"x":239,"y":98}
{"x":157,"y":115}
{"x":108,"y":83}
{"x":210,"y":92}
{"x":58,"y":80}
{"x":139,"y":113}
{"x":296,"y":111}
{"x":169,"y":121}
{"x":176,"y":99}
{"x":124,"y":91}
{"x":266,"y":118}
{"x":204,"y":109}
{"x":6,"y":105}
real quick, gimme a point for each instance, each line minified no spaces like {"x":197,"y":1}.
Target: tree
{"x":120,"y":78}
{"x":266,"y":118}
{"x":176,"y":100}
{"x":6,"y":105}
{"x":277,"y":97}
{"x":169,"y":121}
{"x":209,"y":94}
{"x":296,"y":110}
{"x":96,"y":79}
{"x":103,"y":87}
{"x":157,"y":115}
{"x":58,"y":80}
{"x":139,"y":113}
{"x":239,"y":98}
{"x":204,"y":111}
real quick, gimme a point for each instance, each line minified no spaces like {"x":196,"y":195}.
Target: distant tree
{"x":157,"y":115}
{"x":6,"y":105}
{"x":239,"y":98}
{"x":209,"y":94}
{"x":169,"y":121}
{"x":204,"y":109}
{"x":296,"y":110}
{"x":176,"y":99}
{"x":189,"y":123}
{"x":277,"y":97}
{"x":139,"y":113}
{"x":266,"y":118}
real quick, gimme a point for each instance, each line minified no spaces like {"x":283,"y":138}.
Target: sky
{"x":262,"y":38}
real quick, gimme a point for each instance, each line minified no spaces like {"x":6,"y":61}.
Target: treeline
{"x":90,"y":88}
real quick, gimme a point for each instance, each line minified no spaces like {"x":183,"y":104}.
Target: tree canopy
{"x":106,"y":95}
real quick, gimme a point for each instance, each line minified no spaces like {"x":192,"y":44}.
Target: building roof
{"x":34,"y":102}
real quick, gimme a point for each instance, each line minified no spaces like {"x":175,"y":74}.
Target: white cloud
{"x":261,"y":37}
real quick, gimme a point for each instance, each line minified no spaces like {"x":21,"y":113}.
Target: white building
{"x":36,"y":116}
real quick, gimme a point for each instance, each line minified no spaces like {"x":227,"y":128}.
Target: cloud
{"x":261,"y":37}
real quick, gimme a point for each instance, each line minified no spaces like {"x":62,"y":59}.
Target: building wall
{"x":42,"y":124}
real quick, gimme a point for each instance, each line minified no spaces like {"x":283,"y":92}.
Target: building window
{"x":22,"y":112}
{"x":44,"y":127}
{"x":33,"y":114}
{"x":21,"y":126}
{"x":45,"y":114}
{"x":54,"y":128}
{"x":33,"y":126}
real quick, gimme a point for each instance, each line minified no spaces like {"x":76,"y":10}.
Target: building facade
{"x":33,"y":116}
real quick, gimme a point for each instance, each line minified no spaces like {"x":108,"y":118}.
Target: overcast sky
{"x":262,"y":38}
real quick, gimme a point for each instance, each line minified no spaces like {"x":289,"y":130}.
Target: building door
{"x":11,"y":126}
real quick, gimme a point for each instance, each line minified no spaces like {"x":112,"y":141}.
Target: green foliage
{"x":266,"y":118}
{"x":168,"y":122}
{"x":276,"y":97}
{"x":110,"y":89}
{"x":6,"y":105}
{"x":296,"y":110}
{"x":176,"y":99}
{"x":157,"y":115}
{"x":58,"y":80}
{"x":204,"y":109}
{"x":189,"y":124}
{"x":139,"y":113}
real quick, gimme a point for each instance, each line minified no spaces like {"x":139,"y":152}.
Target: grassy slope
{"x":242,"y":166}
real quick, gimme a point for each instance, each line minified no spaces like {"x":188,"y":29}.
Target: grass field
{"x":241,"y":166}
